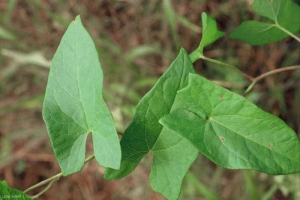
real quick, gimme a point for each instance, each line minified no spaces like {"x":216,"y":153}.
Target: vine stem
{"x":195,"y":55}
{"x":45,"y":189}
{"x":275,"y":71}
{"x":288,"y":32}
{"x":227,"y":65}
{"x":52,"y":179}
{"x":252,"y":79}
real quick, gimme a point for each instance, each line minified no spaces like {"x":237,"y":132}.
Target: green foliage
{"x":73,"y":105}
{"x":172,"y":155}
{"x":9,"y":193}
{"x":210,"y":34}
{"x":231,"y":131}
{"x":284,"y":13}
{"x":181,"y":115}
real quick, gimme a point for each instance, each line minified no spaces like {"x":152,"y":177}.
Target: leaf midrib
{"x":78,"y":84}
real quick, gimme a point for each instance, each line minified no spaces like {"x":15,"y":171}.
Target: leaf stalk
{"x":288,"y":32}
{"x":194,"y":57}
{"x":227,"y":65}
{"x":51,"y":180}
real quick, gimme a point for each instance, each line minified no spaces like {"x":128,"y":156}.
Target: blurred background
{"x":136,"y":41}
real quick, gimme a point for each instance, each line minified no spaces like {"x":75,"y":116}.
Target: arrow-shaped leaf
{"x":231,"y":131}
{"x":74,"y":107}
{"x":258,"y":33}
{"x":210,"y":34}
{"x":284,"y":13}
{"x":9,"y":193}
{"x":172,"y":154}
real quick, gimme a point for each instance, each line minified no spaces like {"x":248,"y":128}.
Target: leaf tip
{"x":77,"y":18}
{"x":204,"y":20}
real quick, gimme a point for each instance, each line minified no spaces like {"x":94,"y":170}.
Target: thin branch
{"x":288,"y":32}
{"x":227,"y":65}
{"x":231,"y":84}
{"x":52,"y":179}
{"x":275,"y":71}
{"x":253,"y":80}
{"x":45,"y":189}
{"x":256,"y":79}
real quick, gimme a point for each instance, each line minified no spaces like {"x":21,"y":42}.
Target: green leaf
{"x":269,"y":9}
{"x":210,"y":34}
{"x":231,"y":131}
{"x":284,"y":13}
{"x":172,"y":154}
{"x":9,"y":193}
{"x":258,"y":33}
{"x":74,"y":107}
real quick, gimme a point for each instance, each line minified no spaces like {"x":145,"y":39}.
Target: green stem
{"x":88,"y":159}
{"x":227,"y":65}
{"x":195,"y":55}
{"x":52,"y":179}
{"x":288,"y":32}
{"x":45,"y":189}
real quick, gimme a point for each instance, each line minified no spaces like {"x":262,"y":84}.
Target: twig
{"x":231,"y":84}
{"x":256,"y":79}
{"x":52,"y":179}
{"x":45,"y":189}
{"x":227,"y":65}
{"x":253,"y":80}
